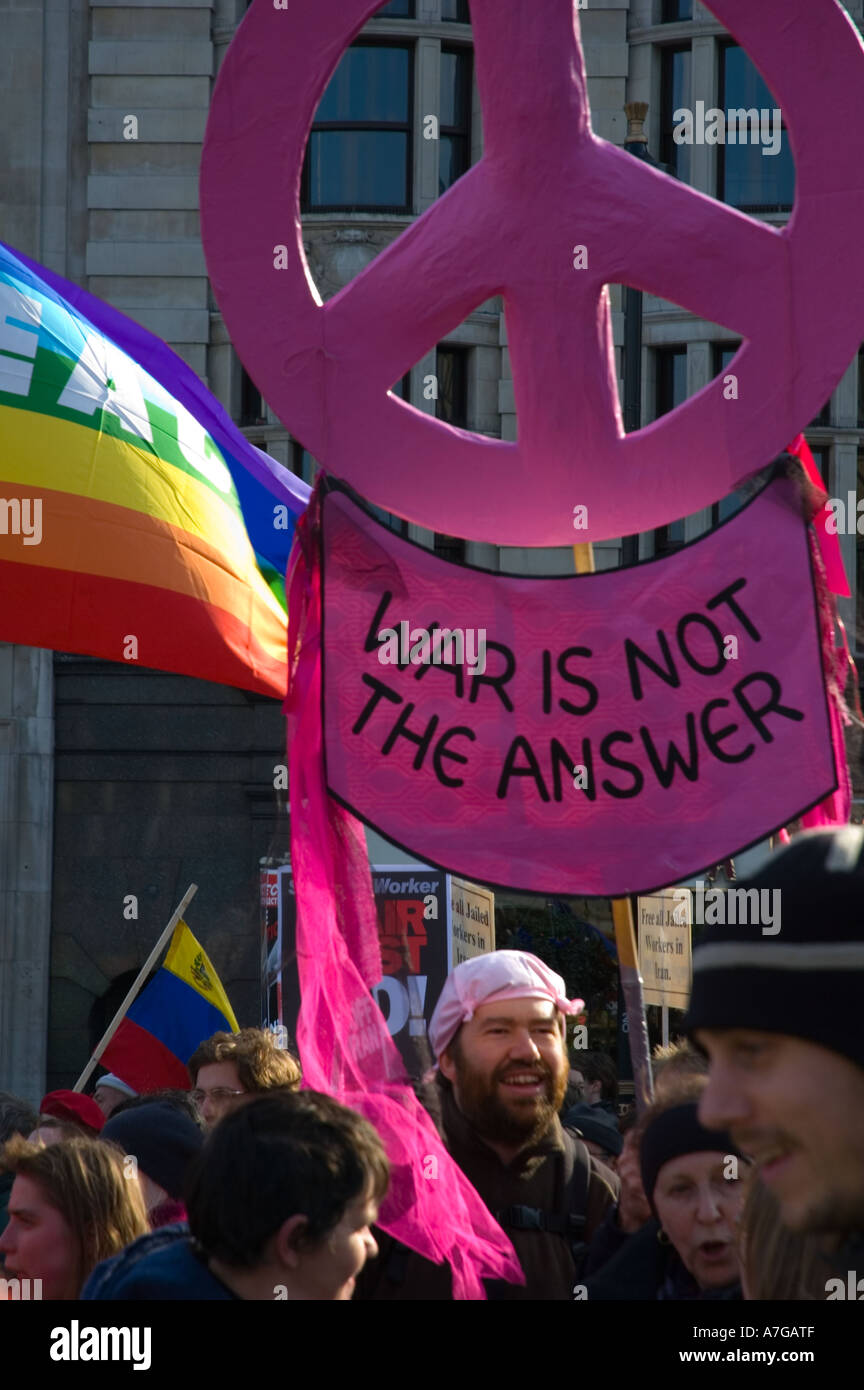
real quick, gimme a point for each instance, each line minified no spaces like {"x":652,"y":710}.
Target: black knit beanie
{"x":673,"y":1133}
{"x":595,"y":1125}
{"x":807,"y":980}
{"x":162,"y":1139}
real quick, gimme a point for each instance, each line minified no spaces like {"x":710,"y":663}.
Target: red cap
{"x":74,"y":1108}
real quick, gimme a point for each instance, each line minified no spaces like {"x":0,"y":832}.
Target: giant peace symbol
{"x":545,"y":184}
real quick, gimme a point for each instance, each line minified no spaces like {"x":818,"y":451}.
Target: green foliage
{"x":567,"y":944}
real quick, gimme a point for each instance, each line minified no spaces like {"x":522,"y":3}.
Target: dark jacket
{"x":6,"y":1181}
{"x":645,"y":1271}
{"x":161,"y":1266}
{"x":535,"y":1179}
{"x":608,"y":1240}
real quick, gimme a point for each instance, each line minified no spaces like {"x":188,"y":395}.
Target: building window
{"x":861,"y":388}
{"x":394,"y":523}
{"x":452,"y":407}
{"x":252,"y":409}
{"x":821,"y":457}
{"x":674,"y":96}
{"x":749,"y":176}
{"x":359,"y":153}
{"x":397,"y":9}
{"x":722,"y":355}
{"x":450,"y":548}
{"x":452,"y":373}
{"x":824,"y":416}
{"x":303,"y":464}
{"x":457,"y":10}
{"x":676,"y":9}
{"x":455,"y":116}
{"x":670,"y":391}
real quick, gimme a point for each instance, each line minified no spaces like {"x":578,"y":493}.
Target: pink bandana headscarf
{"x":499,"y":975}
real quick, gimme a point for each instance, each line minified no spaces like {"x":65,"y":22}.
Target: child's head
{"x":285,"y":1191}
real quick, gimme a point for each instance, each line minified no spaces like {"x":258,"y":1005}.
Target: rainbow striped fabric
{"x":130,"y":505}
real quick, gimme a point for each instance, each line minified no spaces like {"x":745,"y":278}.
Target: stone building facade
{"x":117,"y":781}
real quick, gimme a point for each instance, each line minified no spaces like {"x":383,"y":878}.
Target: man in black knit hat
{"x":781,"y":1020}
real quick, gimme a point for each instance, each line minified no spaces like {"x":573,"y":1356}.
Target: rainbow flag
{"x":130,"y":505}
{"x":183,"y":1004}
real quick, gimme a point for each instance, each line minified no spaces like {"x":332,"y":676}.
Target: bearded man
{"x":498,"y":1034}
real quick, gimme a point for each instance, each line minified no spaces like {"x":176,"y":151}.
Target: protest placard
{"x":603,"y":734}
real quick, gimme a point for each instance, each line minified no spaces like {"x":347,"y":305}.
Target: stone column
{"x":26,"y":823}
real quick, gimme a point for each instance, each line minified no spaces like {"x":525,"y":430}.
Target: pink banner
{"x":598,"y":734}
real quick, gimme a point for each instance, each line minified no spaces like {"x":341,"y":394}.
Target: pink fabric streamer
{"x":344,"y":1044}
{"x":829,"y":544}
{"x":836,"y":808}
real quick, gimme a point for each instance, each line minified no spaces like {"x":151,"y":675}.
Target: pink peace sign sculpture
{"x":545,"y":185}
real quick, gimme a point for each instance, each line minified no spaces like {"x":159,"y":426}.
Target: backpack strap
{"x":569,"y":1221}
{"x":577,"y":1188}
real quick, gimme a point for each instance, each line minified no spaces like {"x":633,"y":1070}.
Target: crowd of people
{"x":744,"y":1178}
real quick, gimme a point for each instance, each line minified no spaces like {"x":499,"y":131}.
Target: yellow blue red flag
{"x":183,"y":1004}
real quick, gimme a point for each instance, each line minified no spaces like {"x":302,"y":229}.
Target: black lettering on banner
{"x":635,"y":653}
{"x":442,"y":751}
{"x":725,"y":596}
{"x":665,"y":772}
{"x":400,"y":730}
{"x":714,"y":737}
{"x":619,"y":736}
{"x":510,"y":769}
{"x":720,"y":663}
{"x":588,"y":686}
{"x":758,"y":697}
{"x":547,"y":681}
{"x":380,"y":691}
{"x":562,"y":762}
{"x":372,"y":641}
{"x":754,"y":714}
{"x":497,"y":682}
{"x":450,"y":668}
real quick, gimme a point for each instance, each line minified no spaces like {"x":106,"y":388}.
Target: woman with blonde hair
{"x":71,"y":1205}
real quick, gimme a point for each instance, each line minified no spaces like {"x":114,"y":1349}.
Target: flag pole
{"x":136,"y":985}
{"x":625,"y":941}
{"x":631,"y":988}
